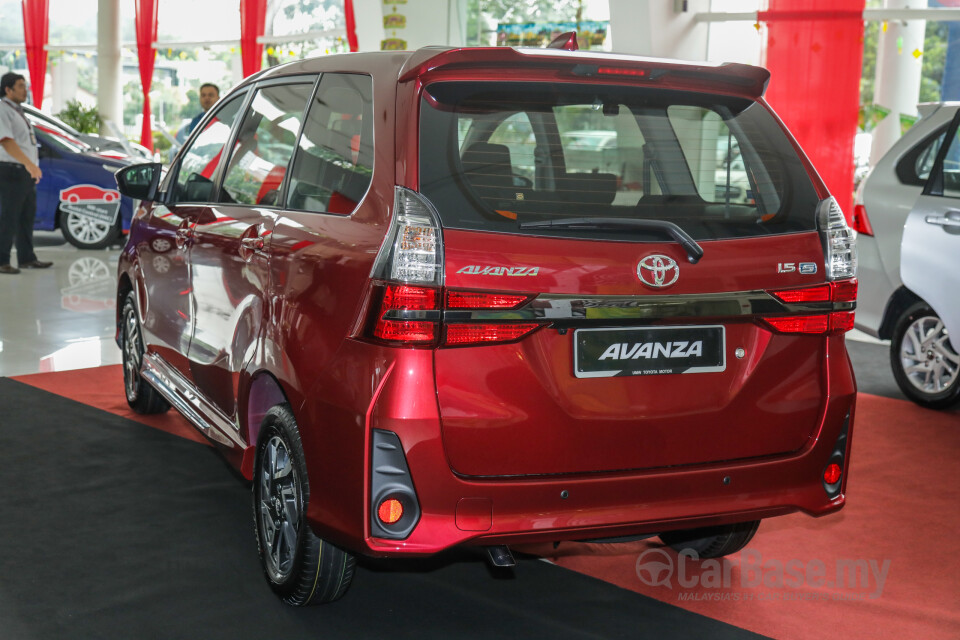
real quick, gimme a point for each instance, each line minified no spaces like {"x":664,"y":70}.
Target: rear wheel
{"x":141,"y":397}
{"x":86,"y":233}
{"x":924,"y":363}
{"x":300,"y":567}
{"x":712,"y":542}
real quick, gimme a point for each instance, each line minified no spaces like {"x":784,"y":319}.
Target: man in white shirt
{"x":19,"y":175}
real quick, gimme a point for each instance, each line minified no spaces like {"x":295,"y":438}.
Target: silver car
{"x":909,"y":278}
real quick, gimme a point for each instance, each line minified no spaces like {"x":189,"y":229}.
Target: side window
{"x":951,"y":168}
{"x":194,"y":180}
{"x":516,"y":133}
{"x":334,"y":159}
{"x":265,"y":144}
{"x":928,"y":155}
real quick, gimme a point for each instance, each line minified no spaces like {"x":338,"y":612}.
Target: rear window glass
{"x":496,"y":155}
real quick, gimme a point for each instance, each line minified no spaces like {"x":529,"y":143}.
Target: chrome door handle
{"x":951,"y":219}
{"x":254,"y":244}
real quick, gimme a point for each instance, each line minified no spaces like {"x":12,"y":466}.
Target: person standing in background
{"x":19,"y":175}
{"x":209,"y":94}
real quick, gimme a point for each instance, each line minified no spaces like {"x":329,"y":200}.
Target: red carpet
{"x":102,"y":388}
{"x":902,"y":509}
{"x":899,"y":529}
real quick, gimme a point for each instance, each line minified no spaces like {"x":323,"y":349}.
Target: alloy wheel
{"x":131,"y":353}
{"x":928,"y":360}
{"x":279,"y":508}
{"x":87,"y":231}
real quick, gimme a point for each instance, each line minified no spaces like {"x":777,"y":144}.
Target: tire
{"x":712,"y":542}
{"x":141,"y":397}
{"x":84,"y":233}
{"x":300,"y":567}
{"x":924,"y":364}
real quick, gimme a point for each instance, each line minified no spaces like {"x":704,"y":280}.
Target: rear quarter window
{"x":496,"y":155}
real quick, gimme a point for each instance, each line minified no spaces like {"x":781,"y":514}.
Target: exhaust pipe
{"x":500,"y":556}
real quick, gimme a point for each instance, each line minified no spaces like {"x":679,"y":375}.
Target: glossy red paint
{"x":504,"y":430}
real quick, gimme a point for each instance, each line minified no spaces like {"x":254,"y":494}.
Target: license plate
{"x":648,"y":351}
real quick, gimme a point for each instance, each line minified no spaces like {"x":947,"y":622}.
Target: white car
{"x":908,"y":218}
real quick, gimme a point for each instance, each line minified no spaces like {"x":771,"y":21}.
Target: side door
{"x":230,"y":244}
{"x":168,"y":236}
{"x":930,"y":249}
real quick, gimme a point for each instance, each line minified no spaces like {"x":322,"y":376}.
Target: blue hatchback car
{"x":78,"y":193}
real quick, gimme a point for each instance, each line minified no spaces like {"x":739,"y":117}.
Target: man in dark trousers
{"x":19,"y":175}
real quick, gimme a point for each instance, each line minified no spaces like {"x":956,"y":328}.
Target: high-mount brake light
{"x":623,"y":71}
{"x":861,"y":222}
{"x":482,"y":300}
{"x":839,"y":241}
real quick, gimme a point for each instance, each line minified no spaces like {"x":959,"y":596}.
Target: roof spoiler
{"x":741,"y":77}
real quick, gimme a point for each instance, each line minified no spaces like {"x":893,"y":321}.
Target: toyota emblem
{"x":658,"y":271}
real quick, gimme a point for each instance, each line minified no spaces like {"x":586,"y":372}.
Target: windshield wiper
{"x":694,"y":250}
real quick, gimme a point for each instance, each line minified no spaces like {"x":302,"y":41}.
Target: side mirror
{"x":140,"y":181}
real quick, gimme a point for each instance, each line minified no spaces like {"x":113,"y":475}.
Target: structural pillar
{"x":109,"y":83}
{"x":660,"y":28}
{"x":897,"y":85}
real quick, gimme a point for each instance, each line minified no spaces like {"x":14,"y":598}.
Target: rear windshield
{"x":496,"y":155}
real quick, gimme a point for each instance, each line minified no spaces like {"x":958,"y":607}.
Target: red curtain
{"x":36,"y":29}
{"x":351,"y":25}
{"x":253,"y":18}
{"x":146,"y":24}
{"x":815,"y":56}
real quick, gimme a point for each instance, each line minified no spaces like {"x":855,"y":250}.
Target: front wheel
{"x":712,"y":542}
{"x":300,"y":567}
{"x":924,"y":363}
{"x":86,"y":233}
{"x":141,"y":397}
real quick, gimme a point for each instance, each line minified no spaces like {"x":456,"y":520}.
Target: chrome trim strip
{"x":178,"y":392}
{"x":576,"y":308}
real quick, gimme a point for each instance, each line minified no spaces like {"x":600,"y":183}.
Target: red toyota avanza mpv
{"x":492,"y":296}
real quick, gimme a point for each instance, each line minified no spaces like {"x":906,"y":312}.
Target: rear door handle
{"x":949,"y":219}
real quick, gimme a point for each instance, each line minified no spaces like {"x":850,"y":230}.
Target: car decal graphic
{"x":92,"y":202}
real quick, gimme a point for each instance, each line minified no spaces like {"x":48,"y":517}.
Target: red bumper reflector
{"x":844,"y":290}
{"x":390,"y":511}
{"x":464,"y":334}
{"x":841,"y":321}
{"x":832,"y":473}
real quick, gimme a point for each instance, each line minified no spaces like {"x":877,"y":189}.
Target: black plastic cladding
{"x":391,"y":479}
{"x":838,"y":456}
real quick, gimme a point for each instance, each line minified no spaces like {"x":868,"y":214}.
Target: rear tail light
{"x":841,"y":293}
{"x":407,"y":302}
{"x":861,"y":223}
{"x":839,"y":241}
{"x":412,"y":251}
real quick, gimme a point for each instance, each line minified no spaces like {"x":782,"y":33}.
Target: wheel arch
{"x":899,"y":302}
{"x":264,"y":392}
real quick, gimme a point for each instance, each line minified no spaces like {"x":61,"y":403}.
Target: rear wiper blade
{"x":694,"y":250}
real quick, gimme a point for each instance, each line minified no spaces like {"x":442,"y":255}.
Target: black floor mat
{"x":111,"y":529}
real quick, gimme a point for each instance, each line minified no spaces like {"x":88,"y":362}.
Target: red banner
{"x":146,"y":25}
{"x":36,"y":30}
{"x":351,"y":25}
{"x":253,"y":18}
{"x":815,"y":56}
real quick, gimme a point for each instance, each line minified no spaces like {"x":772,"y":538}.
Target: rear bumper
{"x":458,"y":510}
